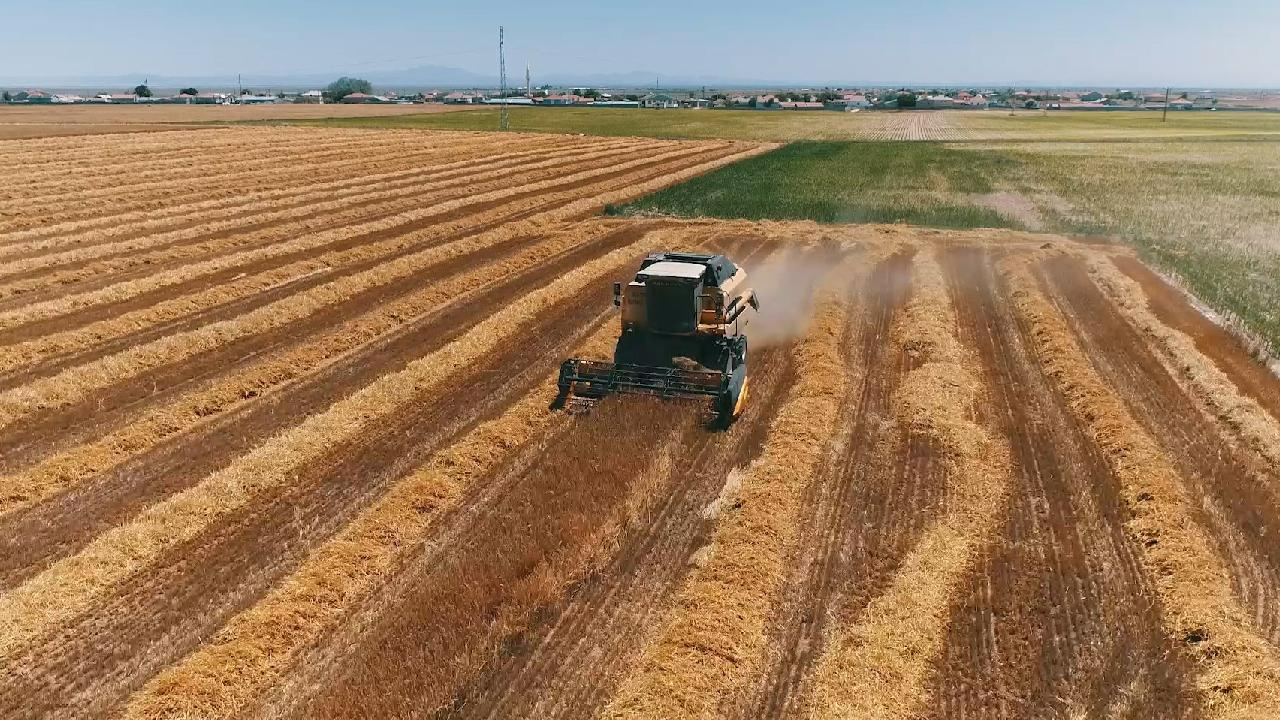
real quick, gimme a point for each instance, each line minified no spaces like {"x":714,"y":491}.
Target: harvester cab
{"x":684,"y":318}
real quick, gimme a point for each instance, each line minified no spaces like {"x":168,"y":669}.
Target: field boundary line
{"x":714,"y":636}
{"x":878,"y":666}
{"x":1238,"y":673}
{"x":71,"y":585}
{"x":256,"y":648}
{"x":1182,"y":359}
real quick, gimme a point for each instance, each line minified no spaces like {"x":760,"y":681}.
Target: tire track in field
{"x":88,"y":335}
{"x":153,"y":253}
{"x":1059,"y":617}
{"x":215,"y":566}
{"x":219,"y":194}
{"x":143,"y":385}
{"x":41,"y":534}
{"x":875,"y":495}
{"x":1239,"y":489}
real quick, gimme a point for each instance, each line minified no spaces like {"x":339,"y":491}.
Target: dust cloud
{"x":784,"y":285}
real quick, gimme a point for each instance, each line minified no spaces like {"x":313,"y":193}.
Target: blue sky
{"x":1110,"y":42}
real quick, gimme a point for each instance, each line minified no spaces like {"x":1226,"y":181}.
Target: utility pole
{"x":504,"y":121}
{"x":1164,"y":117}
{"x":239,"y":89}
{"x":528,"y":84}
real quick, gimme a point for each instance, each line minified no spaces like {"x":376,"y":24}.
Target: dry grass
{"x":260,"y":645}
{"x":71,"y":585}
{"x":191,"y":409}
{"x":1254,"y":425}
{"x":879,"y":665}
{"x":713,"y":641}
{"x":1238,"y":672}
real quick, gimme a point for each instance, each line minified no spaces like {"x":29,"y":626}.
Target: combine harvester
{"x":683,"y":322}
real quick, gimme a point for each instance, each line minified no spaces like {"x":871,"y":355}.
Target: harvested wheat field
{"x":276,"y":441}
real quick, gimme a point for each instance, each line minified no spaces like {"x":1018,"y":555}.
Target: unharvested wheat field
{"x":276,"y":441}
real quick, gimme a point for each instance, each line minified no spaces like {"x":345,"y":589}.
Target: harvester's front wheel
{"x":734,"y":400}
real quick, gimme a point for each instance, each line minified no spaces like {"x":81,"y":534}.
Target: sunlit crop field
{"x":277,"y":440}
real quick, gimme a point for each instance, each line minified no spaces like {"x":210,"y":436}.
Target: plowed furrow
{"x":184,"y":206}
{"x":43,"y":533}
{"x":1059,"y":617}
{"x":152,"y":253}
{"x":225,"y":341}
{"x":213,"y":559}
{"x":876,"y":494}
{"x":1239,"y":490}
